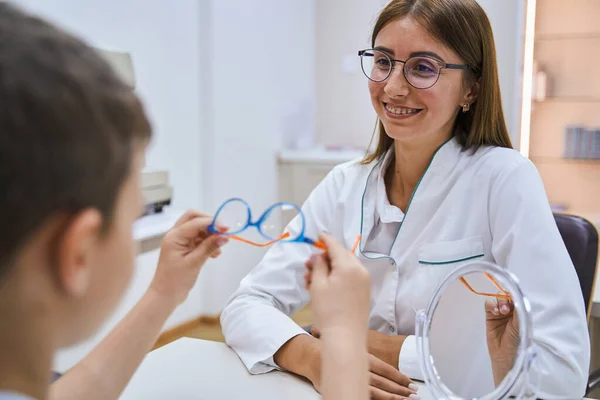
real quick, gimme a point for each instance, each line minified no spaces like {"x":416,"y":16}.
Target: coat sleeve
{"x":526,"y":240}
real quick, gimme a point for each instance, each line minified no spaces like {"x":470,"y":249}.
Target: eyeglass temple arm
{"x":270,"y":242}
{"x":493,"y":280}
{"x":356,"y":243}
{"x":503,"y":295}
{"x":322,"y":245}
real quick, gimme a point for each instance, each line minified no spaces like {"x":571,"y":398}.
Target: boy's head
{"x":72,"y":137}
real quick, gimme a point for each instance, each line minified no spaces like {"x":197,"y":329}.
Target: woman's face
{"x":417,"y":115}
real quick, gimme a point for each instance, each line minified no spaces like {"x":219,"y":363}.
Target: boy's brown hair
{"x":68,"y":127}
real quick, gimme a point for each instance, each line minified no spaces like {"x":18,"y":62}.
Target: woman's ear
{"x":76,"y":249}
{"x":472,"y":92}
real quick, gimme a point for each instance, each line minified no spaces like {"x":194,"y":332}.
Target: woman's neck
{"x":409,"y":164}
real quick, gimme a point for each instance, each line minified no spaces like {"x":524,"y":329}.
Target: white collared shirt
{"x":489,"y":204}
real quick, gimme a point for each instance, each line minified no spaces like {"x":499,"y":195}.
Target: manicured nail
{"x":505,"y":309}
{"x":496,"y":311}
{"x":414,"y":397}
{"x":413,"y":387}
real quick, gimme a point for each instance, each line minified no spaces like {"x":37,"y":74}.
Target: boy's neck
{"x":27,"y":356}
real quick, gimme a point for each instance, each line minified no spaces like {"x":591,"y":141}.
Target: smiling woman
{"x":442,"y":187}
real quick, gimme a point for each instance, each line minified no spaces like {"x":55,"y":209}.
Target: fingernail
{"x":496,"y":311}
{"x":505,"y":308}
{"x":221,"y":241}
{"x":414,"y":397}
{"x":413,"y":387}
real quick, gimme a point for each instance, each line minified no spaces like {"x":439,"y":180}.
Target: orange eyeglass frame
{"x":503,"y":295}
{"x":317,"y":244}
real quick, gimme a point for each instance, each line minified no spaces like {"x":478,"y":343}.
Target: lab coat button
{"x":392,"y":262}
{"x":392,"y":329}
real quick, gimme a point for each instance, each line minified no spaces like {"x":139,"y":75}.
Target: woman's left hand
{"x":502,"y":331}
{"x":385,"y":347}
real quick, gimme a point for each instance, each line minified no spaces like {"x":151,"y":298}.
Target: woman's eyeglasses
{"x":421,"y":72}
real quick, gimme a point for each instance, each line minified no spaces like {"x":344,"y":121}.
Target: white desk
{"x":201,"y":370}
{"x":193,"y":369}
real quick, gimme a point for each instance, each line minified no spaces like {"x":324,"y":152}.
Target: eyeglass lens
{"x":420,"y":72}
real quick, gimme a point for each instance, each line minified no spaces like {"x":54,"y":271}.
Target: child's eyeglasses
{"x":236,"y":216}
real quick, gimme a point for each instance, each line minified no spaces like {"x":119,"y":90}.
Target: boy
{"x":72,"y":139}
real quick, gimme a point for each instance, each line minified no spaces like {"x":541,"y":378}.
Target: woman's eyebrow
{"x":413,"y":54}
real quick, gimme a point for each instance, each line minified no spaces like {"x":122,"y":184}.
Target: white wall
{"x":344,"y":111}
{"x":262,"y":71}
{"x":508,"y":22}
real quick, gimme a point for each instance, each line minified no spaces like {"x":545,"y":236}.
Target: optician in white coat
{"x":490,"y":206}
{"x":475,"y":199}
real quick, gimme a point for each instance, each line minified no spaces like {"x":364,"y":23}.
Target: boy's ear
{"x":76,"y":249}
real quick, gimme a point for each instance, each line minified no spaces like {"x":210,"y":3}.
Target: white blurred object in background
{"x":299,"y":126}
{"x":156,"y":190}
{"x":122,"y":63}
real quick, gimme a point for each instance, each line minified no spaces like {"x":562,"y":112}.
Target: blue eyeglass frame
{"x":301,"y":238}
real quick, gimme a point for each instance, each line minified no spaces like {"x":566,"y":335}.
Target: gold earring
{"x":465,"y":107}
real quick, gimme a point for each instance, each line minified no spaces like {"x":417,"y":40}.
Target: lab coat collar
{"x":374,"y":196}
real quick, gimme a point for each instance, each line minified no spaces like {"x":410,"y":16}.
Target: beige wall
{"x":567,"y":47}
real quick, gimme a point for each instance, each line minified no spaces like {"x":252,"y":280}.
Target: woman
{"x":442,"y":187}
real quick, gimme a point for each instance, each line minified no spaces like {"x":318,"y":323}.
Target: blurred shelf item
{"x":545,"y":159}
{"x":572,"y":36}
{"x":569,"y":99}
{"x":320,"y":155}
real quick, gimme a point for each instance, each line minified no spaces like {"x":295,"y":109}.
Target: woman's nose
{"x":396,"y":84}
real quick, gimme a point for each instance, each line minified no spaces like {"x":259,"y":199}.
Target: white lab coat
{"x":489,"y":204}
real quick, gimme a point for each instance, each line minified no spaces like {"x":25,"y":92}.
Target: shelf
{"x":573,"y":36}
{"x":569,"y":99}
{"x":586,"y":161}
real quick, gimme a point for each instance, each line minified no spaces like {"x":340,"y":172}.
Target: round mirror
{"x":475,"y":336}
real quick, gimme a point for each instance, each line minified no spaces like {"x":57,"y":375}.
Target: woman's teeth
{"x":401,"y":110}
